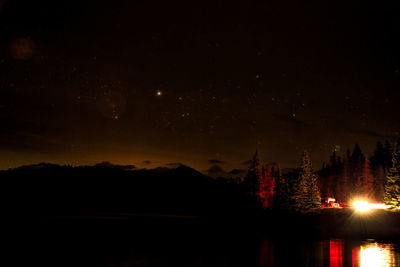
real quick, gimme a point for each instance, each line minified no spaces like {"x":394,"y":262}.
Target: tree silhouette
{"x":379,"y":170}
{"x":365,"y":182}
{"x":254,"y":176}
{"x":344,"y":185}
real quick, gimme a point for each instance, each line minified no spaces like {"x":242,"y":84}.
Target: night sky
{"x":151,"y":83}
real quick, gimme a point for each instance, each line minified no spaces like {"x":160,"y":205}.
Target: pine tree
{"x":378,"y":166}
{"x":356,"y":170}
{"x":282,"y":189}
{"x":344,"y":181}
{"x":379,"y":183}
{"x":267,"y":188}
{"x":254,"y":176}
{"x":392,"y":188}
{"x":388,"y":153}
{"x":306,"y":195}
{"x":365,"y":182}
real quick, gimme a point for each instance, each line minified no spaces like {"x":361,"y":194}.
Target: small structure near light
{"x":331,"y":203}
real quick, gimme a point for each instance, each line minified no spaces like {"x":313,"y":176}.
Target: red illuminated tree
{"x":267,"y":188}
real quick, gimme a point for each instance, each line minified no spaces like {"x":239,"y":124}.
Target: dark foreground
{"x":170,"y":240}
{"x":62,"y":216}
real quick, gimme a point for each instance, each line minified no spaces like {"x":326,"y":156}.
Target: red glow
{"x":355,"y":257}
{"x":335,"y":253}
{"x":331,"y":203}
{"x":267,"y":188}
{"x":266,"y":254}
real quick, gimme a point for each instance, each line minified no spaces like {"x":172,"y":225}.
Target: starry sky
{"x":155,"y":83}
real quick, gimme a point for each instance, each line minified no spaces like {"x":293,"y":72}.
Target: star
{"x":159,"y":93}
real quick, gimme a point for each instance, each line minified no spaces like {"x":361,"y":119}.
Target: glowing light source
{"x":159,"y":93}
{"x":379,"y":206}
{"x":361,"y":206}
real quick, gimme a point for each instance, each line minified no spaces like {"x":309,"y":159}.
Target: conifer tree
{"x":379,"y":170}
{"x":364,"y":186}
{"x":388,"y":153}
{"x":392,"y":188}
{"x":270,"y":187}
{"x":379,"y":183}
{"x":282,"y":197}
{"x":254,"y":176}
{"x":344,"y":185}
{"x":307,"y":195}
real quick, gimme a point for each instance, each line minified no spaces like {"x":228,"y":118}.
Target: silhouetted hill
{"x":48,"y":189}
{"x":107,"y":164}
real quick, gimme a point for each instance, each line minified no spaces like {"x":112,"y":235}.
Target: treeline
{"x":297,"y":190}
{"x":354,"y":175}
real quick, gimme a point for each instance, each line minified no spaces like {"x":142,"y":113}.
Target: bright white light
{"x":378,"y":206}
{"x":361,"y":205}
{"x":376,"y":255}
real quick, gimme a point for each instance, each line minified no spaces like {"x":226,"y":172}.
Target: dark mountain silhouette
{"x":49,"y":189}
{"x":107,"y":164}
{"x":40,"y":165}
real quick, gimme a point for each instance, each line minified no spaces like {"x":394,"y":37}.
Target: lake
{"x":190,"y":244}
{"x":121,"y":240}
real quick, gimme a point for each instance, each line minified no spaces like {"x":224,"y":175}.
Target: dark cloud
{"x":20,"y":135}
{"x":147,"y":162}
{"x":370,"y":133}
{"x":237,"y":171}
{"x":247,"y":162}
{"x":117,"y":166}
{"x":22,"y":48}
{"x":215,"y":161}
{"x":215,"y":170}
{"x":291,"y":120}
{"x":174,"y":164}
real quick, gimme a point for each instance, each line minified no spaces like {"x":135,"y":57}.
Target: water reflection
{"x":328,"y":253}
{"x":374,"y":254}
{"x":335,"y":253}
{"x":267,"y":253}
{"x":214,"y":251}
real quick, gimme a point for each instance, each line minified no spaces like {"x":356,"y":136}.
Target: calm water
{"x":162,"y":244}
{"x":333,"y":253}
{"x":265,"y":252}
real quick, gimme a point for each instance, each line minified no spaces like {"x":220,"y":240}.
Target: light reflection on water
{"x":332,"y":253}
{"x":189,"y":251}
{"x":374,"y":255}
